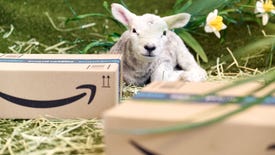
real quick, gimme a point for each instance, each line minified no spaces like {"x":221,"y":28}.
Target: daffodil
{"x":214,"y":23}
{"x":264,"y":8}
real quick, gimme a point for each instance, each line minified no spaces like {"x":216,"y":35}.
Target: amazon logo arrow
{"x":271,"y":147}
{"x":146,"y":151}
{"x":142,"y":149}
{"x":51,"y":103}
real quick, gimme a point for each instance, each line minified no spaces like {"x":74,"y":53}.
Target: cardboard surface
{"x":58,"y":85}
{"x":251,"y":132}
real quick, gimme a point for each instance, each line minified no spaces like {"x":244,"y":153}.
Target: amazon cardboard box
{"x":58,"y":85}
{"x":141,"y":126}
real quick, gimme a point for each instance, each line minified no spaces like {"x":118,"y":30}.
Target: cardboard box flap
{"x":171,"y":114}
{"x":61,"y":56}
{"x":180,"y":91}
{"x":106,"y":67}
{"x":58,"y":62}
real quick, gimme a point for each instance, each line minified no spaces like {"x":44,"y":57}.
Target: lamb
{"x":151,"y":51}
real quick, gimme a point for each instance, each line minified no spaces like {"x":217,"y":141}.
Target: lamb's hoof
{"x":194,"y":75}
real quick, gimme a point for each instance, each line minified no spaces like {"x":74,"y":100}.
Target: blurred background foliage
{"x":86,"y":26}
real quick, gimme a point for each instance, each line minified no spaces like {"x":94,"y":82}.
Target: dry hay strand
{"x":44,"y":136}
{"x":221,"y":71}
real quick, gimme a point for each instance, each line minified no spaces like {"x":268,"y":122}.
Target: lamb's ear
{"x":122,"y":14}
{"x":177,"y":21}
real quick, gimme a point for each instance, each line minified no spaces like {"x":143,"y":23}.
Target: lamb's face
{"x":148,"y":32}
{"x":148,"y":36}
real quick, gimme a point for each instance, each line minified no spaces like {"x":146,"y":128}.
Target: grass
{"x":30,"y":22}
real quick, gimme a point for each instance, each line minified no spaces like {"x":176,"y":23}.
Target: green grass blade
{"x":250,"y":49}
{"x":96,"y":44}
{"x":270,"y":57}
{"x":123,"y":3}
{"x":70,"y":7}
{"x":201,"y":7}
{"x":193,"y":43}
{"x":184,"y":7}
{"x":100,"y":15}
{"x":79,"y":17}
{"x":177,"y":3}
{"x":188,"y":126}
{"x":269,"y":78}
{"x":106,"y":7}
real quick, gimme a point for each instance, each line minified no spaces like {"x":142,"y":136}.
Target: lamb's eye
{"x":134,"y":30}
{"x":164,"y":33}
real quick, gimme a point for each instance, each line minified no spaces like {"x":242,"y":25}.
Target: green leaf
{"x":79,"y":17}
{"x":263,"y":44}
{"x":201,"y":7}
{"x":184,"y":7}
{"x":270,"y":57}
{"x":107,"y":8}
{"x":114,"y":37}
{"x":178,"y":3}
{"x":70,"y":7}
{"x":193,"y":43}
{"x":268,"y":78}
{"x":96,"y":44}
{"x":124,"y":4}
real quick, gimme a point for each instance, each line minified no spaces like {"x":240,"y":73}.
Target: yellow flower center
{"x":268,"y":6}
{"x":217,"y":23}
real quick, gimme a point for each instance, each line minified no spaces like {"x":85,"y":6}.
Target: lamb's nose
{"x":150,"y":48}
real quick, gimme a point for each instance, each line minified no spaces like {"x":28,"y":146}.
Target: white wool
{"x":151,"y":52}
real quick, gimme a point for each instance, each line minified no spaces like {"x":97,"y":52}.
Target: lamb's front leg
{"x":192,"y":71}
{"x":166,"y":72}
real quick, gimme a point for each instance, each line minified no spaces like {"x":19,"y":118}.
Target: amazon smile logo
{"x":142,"y":149}
{"x":146,"y":151}
{"x":271,"y":147}
{"x":51,"y":103}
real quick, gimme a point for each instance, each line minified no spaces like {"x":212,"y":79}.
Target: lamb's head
{"x":148,"y":33}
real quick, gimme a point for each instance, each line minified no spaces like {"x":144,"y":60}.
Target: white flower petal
{"x":215,"y":12}
{"x":259,"y":15}
{"x":273,"y":11}
{"x":259,"y":7}
{"x":224,"y":26}
{"x":208,"y":29}
{"x":217,"y":33}
{"x":211,"y":16}
{"x":265,"y":19}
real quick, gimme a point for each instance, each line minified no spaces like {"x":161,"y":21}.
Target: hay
{"x":129,"y":90}
{"x":51,"y":136}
